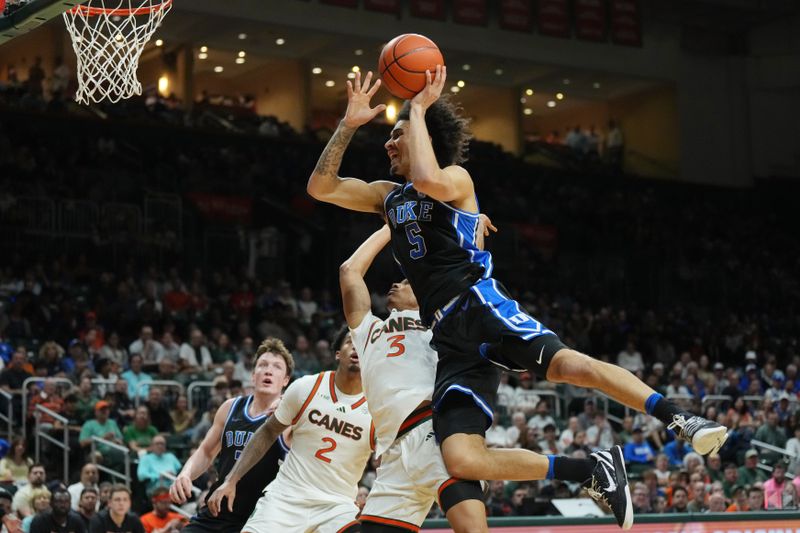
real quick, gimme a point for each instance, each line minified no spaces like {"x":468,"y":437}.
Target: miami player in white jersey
{"x":332,"y":438}
{"x":398,"y":369}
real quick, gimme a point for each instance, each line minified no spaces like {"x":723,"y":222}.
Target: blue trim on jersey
{"x":457,"y":210}
{"x":247,"y":415}
{"x":283,"y":445}
{"x":480,"y":402}
{"x":508,"y":311}
{"x":228,"y":418}
{"x":467,"y":226}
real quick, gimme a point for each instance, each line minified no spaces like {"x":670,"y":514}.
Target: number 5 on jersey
{"x":414,"y":236}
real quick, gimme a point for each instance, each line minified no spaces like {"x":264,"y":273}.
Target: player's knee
{"x":464,"y":461}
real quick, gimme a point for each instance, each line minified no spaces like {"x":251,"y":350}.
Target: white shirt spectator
{"x":677,"y":389}
{"x":505,"y":394}
{"x":75,"y":492}
{"x":306,"y":310}
{"x":497,"y":436}
{"x":152,"y":352}
{"x":540,"y":421}
{"x":614,"y":138}
{"x":600,"y":438}
{"x":630,"y":359}
{"x":189,"y":355}
{"x":525,"y":400}
{"x":793,"y":446}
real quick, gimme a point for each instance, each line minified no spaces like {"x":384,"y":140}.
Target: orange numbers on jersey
{"x":322,"y":451}
{"x":398,"y":348}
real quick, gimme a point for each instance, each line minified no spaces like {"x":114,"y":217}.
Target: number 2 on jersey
{"x":415,"y":239}
{"x":396,"y":343}
{"x":322,"y":451}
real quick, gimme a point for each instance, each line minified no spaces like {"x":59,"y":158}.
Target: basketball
{"x":403,"y":63}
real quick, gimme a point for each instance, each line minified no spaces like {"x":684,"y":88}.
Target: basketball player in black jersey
{"x":234,"y":425}
{"x":477,"y":328}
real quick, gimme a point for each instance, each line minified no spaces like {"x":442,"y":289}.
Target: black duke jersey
{"x":239,"y":429}
{"x":436,"y":247}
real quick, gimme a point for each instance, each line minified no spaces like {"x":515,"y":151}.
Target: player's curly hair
{"x":449,"y":130}
{"x":340,"y":337}
{"x":276,"y":346}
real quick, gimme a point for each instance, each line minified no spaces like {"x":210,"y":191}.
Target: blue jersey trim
{"x":457,"y":210}
{"x":283,"y":445}
{"x":247,"y":415}
{"x":490,"y":295}
{"x":228,"y":418}
{"x":480,"y":402}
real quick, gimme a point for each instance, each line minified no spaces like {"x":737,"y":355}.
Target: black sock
{"x":664,"y":410}
{"x":569,"y":469}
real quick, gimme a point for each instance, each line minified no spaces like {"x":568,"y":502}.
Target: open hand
{"x":358,"y":96}
{"x":433,"y":88}
{"x":226,"y":490}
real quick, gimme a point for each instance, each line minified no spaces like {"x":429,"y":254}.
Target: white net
{"x":108,"y":37}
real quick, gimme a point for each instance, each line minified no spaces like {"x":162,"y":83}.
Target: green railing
{"x":671,"y":518}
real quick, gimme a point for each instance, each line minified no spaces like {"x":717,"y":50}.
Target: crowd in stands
{"x":107,"y":336}
{"x":694,"y":290}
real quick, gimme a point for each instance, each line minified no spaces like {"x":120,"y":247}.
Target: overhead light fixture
{"x":202,"y":55}
{"x":551,"y":103}
{"x":559,"y":96}
{"x":355,"y":68}
{"x":566,"y":81}
{"x":159,"y":42}
{"x":358,"y":52}
{"x":280,"y":41}
{"x":330,"y":83}
{"x":163,"y":85}
{"x":466,"y":66}
{"x":529,"y":92}
{"x":351,"y":75}
{"x":454,"y":89}
{"x":218,"y":69}
{"x":240,"y":61}
{"x":528,"y":111}
{"x":523,"y":100}
{"x":596,"y":85}
{"x":316,"y":70}
{"x":461,"y":83}
{"x":204,"y":49}
{"x":242,"y":53}
{"x":391,"y":113}
{"x":242,"y":36}
{"x":498,"y":71}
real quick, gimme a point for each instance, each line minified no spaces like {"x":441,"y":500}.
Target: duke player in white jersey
{"x":398,"y":368}
{"x":332,"y":436}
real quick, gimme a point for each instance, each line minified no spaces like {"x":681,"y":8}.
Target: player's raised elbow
{"x":347,"y":270}
{"x":314,"y":189}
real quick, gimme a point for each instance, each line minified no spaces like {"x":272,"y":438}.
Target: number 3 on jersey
{"x":331,"y":445}
{"x":396,"y":343}
{"x":414,"y":235}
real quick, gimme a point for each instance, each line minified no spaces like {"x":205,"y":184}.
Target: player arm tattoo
{"x":326,"y":172}
{"x":262,"y":440}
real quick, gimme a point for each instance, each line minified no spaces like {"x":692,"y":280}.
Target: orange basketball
{"x":403,"y":63}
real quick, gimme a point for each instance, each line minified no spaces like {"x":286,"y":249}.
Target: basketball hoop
{"x":108,"y":40}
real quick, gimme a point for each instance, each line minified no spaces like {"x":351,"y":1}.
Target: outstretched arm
{"x":355,"y":294}
{"x":201,"y":460}
{"x":262,"y":440}
{"x":325,"y":184}
{"x":449,"y":184}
